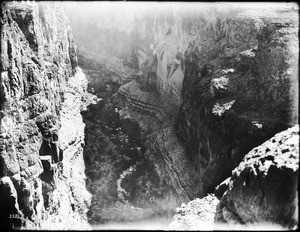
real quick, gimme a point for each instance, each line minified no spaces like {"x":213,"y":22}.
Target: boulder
{"x":264,"y":187}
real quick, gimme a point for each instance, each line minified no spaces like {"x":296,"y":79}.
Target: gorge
{"x":182,"y":114}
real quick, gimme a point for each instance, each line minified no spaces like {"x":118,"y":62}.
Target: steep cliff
{"x":42,"y":132}
{"x":239,"y":88}
{"x":231,"y":71}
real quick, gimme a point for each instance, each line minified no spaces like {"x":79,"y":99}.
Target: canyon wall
{"x":229,"y":75}
{"x":42,"y":133}
{"x":244,"y":74}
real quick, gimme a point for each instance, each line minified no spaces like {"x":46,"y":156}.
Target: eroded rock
{"x":264,"y":187}
{"x":42,"y":133}
{"x":197,"y":214}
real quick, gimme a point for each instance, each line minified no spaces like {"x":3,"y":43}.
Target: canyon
{"x":183,"y":114}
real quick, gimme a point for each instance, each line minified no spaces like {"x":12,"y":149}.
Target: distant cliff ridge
{"x":42,"y":133}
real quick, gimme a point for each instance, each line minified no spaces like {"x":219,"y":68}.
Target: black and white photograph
{"x":136,"y":115}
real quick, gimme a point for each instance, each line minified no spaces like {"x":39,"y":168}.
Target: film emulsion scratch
{"x":149,"y":115}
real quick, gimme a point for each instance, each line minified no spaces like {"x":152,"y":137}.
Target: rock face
{"x":264,"y":187}
{"x":238,"y":87}
{"x":42,"y":132}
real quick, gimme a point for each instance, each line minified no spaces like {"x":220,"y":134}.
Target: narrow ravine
{"x":123,"y":182}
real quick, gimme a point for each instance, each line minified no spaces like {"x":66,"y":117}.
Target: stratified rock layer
{"x":164,"y":150}
{"x":264,"y":187}
{"x":42,"y":133}
{"x":227,"y":74}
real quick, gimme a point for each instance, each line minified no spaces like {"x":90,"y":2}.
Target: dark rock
{"x":221,"y":188}
{"x":243,"y":98}
{"x":264,"y":187}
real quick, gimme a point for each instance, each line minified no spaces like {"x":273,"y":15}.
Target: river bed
{"x":123,"y":182}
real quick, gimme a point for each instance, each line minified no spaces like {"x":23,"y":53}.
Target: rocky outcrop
{"x":42,"y":132}
{"x":195,"y":215}
{"x":262,"y":192}
{"x":264,"y":187}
